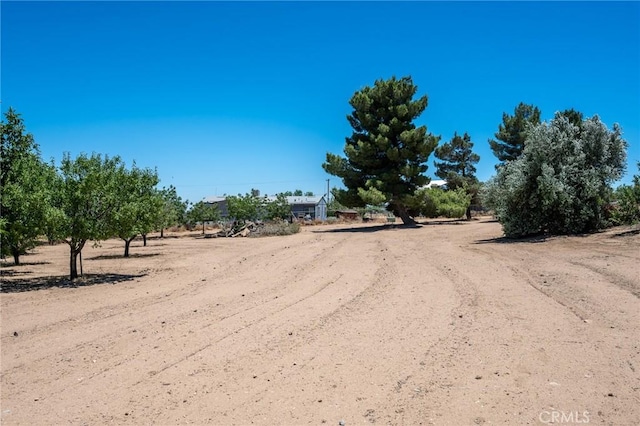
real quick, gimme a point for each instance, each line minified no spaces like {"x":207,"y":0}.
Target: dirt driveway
{"x":444,"y":324}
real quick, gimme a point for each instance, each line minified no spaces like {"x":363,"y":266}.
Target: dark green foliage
{"x":386,"y":152}
{"x":457,"y":166}
{"x":561,"y":183}
{"x":511,"y":133}
{"x":24,"y":187}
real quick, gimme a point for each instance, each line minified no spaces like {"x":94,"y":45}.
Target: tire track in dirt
{"x":295,"y":275}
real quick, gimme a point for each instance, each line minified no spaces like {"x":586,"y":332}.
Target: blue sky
{"x":225,"y":97}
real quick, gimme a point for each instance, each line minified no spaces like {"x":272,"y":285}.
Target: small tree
{"x":203,"y":212}
{"x":84,"y":199}
{"x":173,"y":209}
{"x":457,"y":166}
{"x":512,"y":132}
{"x":561,"y":183}
{"x":137,"y":206}
{"x":386,"y":153}
{"x":278,"y":208}
{"x":243,"y":208}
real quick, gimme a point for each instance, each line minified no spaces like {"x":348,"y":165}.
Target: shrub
{"x":561,"y":182}
{"x":277,"y":229}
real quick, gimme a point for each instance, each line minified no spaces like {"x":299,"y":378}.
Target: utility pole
{"x":328,"y":192}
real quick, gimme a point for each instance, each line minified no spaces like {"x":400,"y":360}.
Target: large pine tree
{"x":512,"y":132}
{"x":386,"y":154}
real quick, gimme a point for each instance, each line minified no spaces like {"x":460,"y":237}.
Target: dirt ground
{"x":445,"y":324}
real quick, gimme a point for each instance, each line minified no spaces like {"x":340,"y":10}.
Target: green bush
{"x":561,"y":182}
{"x":437,"y":202}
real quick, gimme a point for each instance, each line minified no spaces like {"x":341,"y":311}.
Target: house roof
{"x":292,"y":200}
{"x":214,"y":199}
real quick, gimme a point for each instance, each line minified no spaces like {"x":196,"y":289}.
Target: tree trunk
{"x":468,"y":213}
{"x":144,"y":240}
{"x":401,"y":211}
{"x":16,"y":256}
{"x":203,"y":227}
{"x":75,"y":249}
{"x":73,"y":274}
{"x":126,"y":246}
{"x":161,"y":232}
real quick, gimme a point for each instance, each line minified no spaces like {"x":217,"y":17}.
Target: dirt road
{"x":445,"y":324}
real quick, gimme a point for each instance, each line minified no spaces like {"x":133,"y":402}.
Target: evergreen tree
{"x":512,"y":132}
{"x":386,"y":153}
{"x":458,"y":166}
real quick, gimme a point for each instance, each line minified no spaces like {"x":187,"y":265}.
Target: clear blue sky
{"x":225,"y":97}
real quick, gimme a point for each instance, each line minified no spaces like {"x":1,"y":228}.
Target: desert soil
{"x":444,"y":324}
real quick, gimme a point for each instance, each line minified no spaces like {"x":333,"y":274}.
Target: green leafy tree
{"x":138,"y":205}
{"x":511,"y":135}
{"x":386,"y":153}
{"x":243,"y":208}
{"x":297,"y":193}
{"x":85,"y":197}
{"x":457,"y":166}
{"x":278,"y":208}
{"x":308,"y":194}
{"x":173,"y":209}
{"x":203,"y":212}
{"x":562,"y":182}
{"x":24,"y":185}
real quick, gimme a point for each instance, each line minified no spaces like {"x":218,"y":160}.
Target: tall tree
{"x":386,"y":152}
{"x":457,"y":166}
{"x":511,"y":133}
{"x":85,"y":196}
{"x":24,"y":188}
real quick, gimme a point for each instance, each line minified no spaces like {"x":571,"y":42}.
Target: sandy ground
{"x":445,"y":324}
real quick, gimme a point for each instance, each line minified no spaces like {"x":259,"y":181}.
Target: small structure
{"x":347,"y":214}
{"x":309,"y":208}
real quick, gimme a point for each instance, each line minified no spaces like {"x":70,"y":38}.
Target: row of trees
{"x":85,"y":198}
{"x":552,"y":177}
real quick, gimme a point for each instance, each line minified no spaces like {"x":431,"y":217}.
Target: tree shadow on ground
{"x":626,"y":233}
{"x":367,"y":229}
{"x":42,"y":283}
{"x":120,"y":256}
{"x":13,"y":265}
{"x":541,"y":238}
{"x":445,"y":222}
